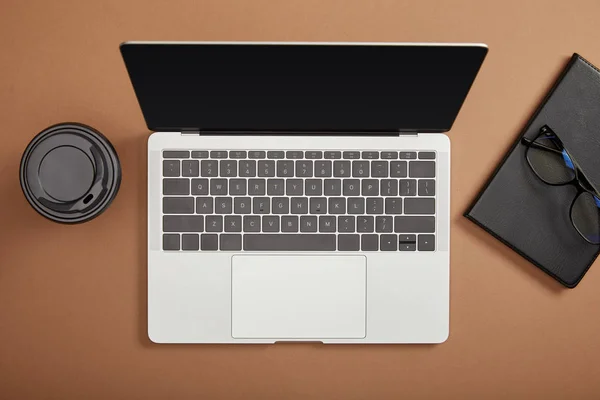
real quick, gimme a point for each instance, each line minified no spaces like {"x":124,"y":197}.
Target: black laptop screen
{"x":301,"y":87}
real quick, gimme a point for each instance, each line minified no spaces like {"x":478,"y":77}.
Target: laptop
{"x":299,"y":192}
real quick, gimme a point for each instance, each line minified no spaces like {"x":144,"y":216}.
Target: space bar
{"x":289,"y":242}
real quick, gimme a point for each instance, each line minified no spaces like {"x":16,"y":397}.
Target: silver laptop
{"x":299,"y":191}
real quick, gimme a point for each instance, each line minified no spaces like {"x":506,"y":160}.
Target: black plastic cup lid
{"x":70,"y":173}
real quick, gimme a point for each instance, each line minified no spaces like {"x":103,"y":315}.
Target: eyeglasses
{"x":552,"y":163}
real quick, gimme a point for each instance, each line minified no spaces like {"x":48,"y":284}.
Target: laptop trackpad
{"x":298,"y":297}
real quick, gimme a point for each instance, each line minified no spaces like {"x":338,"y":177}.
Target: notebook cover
{"x":529,"y":216}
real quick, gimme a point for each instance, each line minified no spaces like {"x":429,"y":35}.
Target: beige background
{"x":72,"y":298}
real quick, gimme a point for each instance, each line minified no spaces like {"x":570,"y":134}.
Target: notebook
{"x":529,"y":216}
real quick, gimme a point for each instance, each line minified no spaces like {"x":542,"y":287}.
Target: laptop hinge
{"x":190,"y":132}
{"x":408,"y":133}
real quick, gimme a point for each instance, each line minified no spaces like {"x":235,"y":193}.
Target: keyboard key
{"x":408,"y":187}
{"x":281,"y":205}
{"x":426,"y":242}
{"x":408,"y":155}
{"x":275,"y":187}
{"x":233,"y":223}
{"x":369,"y":242}
{"x":171,"y":241}
{"x":294,"y":154}
{"x":365,"y":224}
{"x":370,"y":155}
{"x":214,"y":223}
{"x":228,"y":168}
{"x":337,"y":205}
{"x":327,"y":223}
{"x":190,"y":168}
{"x":426,"y":187}
{"x":333,"y":187}
{"x":421,"y":169}
{"x":419,"y":205}
{"x":251,"y":223}
{"x":308,"y":223}
{"x":200,"y":187}
{"x":266,"y":168}
{"x":237,"y":187}
{"x":183,"y":223}
{"x":270,"y":223}
{"x":204,"y":205}
{"x":374,"y":205}
{"x":237,"y":154}
{"x":323,"y":169}
{"x":171,"y":168}
{"x":285,"y":168}
{"x":290,"y":242}
{"x":354,"y":155}
{"x":427,"y":155}
{"x":346,"y":224}
{"x":218,"y":154}
{"x":332,"y":155}
{"x":223,"y":205}
{"x":313,"y":187}
{"x":256,"y":154}
{"x":407,"y":246}
{"x":230,"y":242}
{"x":412,"y":224}
{"x":318,"y":205}
{"x":209,"y":168}
{"x":190,"y":242}
{"x":393,"y":205}
{"x":176,"y":154}
{"x":294,"y":187}
{"x":209,"y":242}
{"x":341,"y":169}
{"x":299,"y":205}
{"x":200,"y":154}
{"x":304,"y":169}
{"x":247,"y":168}
{"x":348,"y":242}
{"x":398,"y":169}
{"x":379,"y":169}
{"x":178,"y":205}
{"x":389,"y":187}
{"x":384,"y":224}
{"x":261,"y":205}
{"x":313,"y":154}
{"x":351,"y":187}
{"x":360,"y":169}
{"x":370,"y":187}
{"x":388,"y":242}
{"x":389,"y":155}
{"x":242,"y":205}
{"x":256,"y":187}
{"x":176,"y":186}
{"x":218,"y":187}
{"x":289,"y":223}
{"x":275,"y":154}
{"x":356,"y":205}
{"x":407,"y":238}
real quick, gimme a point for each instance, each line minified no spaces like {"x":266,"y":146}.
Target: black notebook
{"x":530,"y":216}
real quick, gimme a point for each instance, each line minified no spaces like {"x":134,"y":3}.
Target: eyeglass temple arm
{"x":540,"y":146}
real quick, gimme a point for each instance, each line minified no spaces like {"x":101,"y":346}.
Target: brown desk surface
{"x":72,"y":298}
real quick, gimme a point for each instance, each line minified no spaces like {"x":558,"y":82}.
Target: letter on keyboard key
{"x":230,"y":241}
{"x":294,"y":187}
{"x":175,"y":186}
{"x":262,"y":205}
{"x":318,"y":205}
{"x":348,"y":242}
{"x":233,"y":223}
{"x":393,"y":205}
{"x":327,"y":223}
{"x":308,"y":223}
{"x":183,"y":223}
{"x":256,"y":187}
{"x":171,"y":242}
{"x":190,"y":242}
{"x":237,"y":187}
{"x":218,"y":187}
{"x":333,"y":187}
{"x":351,"y":187}
{"x":270,"y":223}
{"x":289,"y":223}
{"x":419,"y":205}
{"x":337,"y":205}
{"x":290,"y":242}
{"x":281,"y":205}
{"x":242,"y":205}
{"x":356,"y":205}
{"x":313,"y":187}
{"x":209,"y":242}
{"x":204,"y":205}
{"x":422,"y":169}
{"x":413,"y":224}
{"x":251,"y":223}
{"x":200,"y":187}
{"x":223,"y":205}
{"x":275,"y":187}
{"x":299,"y":205}
{"x":214,"y":223}
{"x":178,"y":205}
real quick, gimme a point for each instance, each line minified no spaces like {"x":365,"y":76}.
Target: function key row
{"x":300,"y":154}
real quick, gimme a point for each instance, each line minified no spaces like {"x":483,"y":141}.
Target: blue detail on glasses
{"x":597,"y":201}
{"x":567,"y":160}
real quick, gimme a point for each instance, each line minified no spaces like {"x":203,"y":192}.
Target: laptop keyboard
{"x":298,"y":200}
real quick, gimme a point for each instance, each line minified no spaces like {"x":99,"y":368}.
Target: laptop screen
{"x":301,"y":87}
